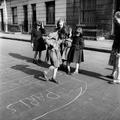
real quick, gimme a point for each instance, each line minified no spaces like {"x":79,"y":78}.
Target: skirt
{"x":75,"y":55}
{"x":54,"y":56}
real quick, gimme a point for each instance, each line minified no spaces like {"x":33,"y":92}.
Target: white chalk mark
{"x":25,"y":104}
{"x":80,"y":94}
{"x":59,"y":107}
{"x":39,"y":96}
{"x":51,"y":93}
{"x":11,"y":109}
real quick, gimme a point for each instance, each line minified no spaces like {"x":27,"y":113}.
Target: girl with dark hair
{"x":37,"y":41}
{"x":76,"y":51}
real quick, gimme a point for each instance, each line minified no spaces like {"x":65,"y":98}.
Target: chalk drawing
{"x":80,"y":94}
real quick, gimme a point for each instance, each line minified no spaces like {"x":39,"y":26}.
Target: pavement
{"x":25,"y":95}
{"x":103,"y":45}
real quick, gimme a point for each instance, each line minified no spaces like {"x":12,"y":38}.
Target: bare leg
{"x":35,"y":55}
{"x":55,"y":73}
{"x":117,"y":72}
{"x":118,"y":68}
{"x":40,"y":53}
{"x":77,"y":68}
{"x":68,"y":69}
{"x":113,"y":71}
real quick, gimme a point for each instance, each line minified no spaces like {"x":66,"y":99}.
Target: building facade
{"x":92,"y":15}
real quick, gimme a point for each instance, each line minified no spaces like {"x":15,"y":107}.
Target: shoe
{"x":75,"y":72}
{"x":39,"y":61}
{"x":109,"y":76}
{"x":34,"y":61}
{"x":45,"y":75}
{"x":116,"y":81}
{"x":68,"y":72}
{"x":53,"y":80}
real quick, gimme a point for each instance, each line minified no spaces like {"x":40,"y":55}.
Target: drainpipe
{"x":6,"y":16}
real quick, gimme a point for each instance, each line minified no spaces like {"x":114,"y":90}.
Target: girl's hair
{"x":60,"y":20}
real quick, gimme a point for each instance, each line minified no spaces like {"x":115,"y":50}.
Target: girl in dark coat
{"x":115,"y":54}
{"x":37,"y":41}
{"x":76,"y":51}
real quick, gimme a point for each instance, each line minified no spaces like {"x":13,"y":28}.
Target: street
{"x":25,"y":95}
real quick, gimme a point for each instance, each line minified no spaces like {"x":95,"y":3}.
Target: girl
{"x":37,"y":41}
{"x":53,"y":54}
{"x":76,"y":51}
{"x":115,"y":54}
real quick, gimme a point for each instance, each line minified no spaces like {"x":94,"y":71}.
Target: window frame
{"x":14,"y":15}
{"x":50,"y":20}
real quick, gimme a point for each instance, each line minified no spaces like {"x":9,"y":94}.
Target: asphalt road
{"x":25,"y":95}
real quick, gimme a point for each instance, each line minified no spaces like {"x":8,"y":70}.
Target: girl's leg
{"x":117,"y":72}
{"x":118,"y":68}
{"x":54,"y":73}
{"x":77,"y":68}
{"x":114,"y":71}
{"x":40,"y":53}
{"x":35,"y":57}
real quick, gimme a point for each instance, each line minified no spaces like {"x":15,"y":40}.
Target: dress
{"x":37,"y":40}
{"x":66,"y":44}
{"x":53,"y":50}
{"x":76,"y":54}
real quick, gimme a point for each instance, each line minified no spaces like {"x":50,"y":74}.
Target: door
{"x":1,"y":20}
{"x":25,"y":18}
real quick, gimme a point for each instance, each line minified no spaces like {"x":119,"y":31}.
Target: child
{"x":115,"y":58}
{"x":76,"y":51}
{"x":53,"y":52}
{"x":37,"y":41}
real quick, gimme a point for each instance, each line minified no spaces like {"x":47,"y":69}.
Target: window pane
{"x":50,"y":12}
{"x":14,"y":15}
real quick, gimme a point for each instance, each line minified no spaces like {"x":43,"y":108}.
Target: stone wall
{"x":60,"y":10}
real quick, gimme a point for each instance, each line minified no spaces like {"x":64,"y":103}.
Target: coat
{"x":53,"y":50}
{"x":37,"y":40}
{"x":76,"y":54}
{"x":116,"y":45}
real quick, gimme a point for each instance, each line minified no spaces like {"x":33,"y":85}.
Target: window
{"x":14,"y":15}
{"x":34,"y":19}
{"x":87,"y":12}
{"x":50,"y":12}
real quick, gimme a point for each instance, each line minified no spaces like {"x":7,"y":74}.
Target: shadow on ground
{"x":25,"y":68}
{"x":38,"y":74}
{"x":27,"y":59}
{"x":94,"y":74}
